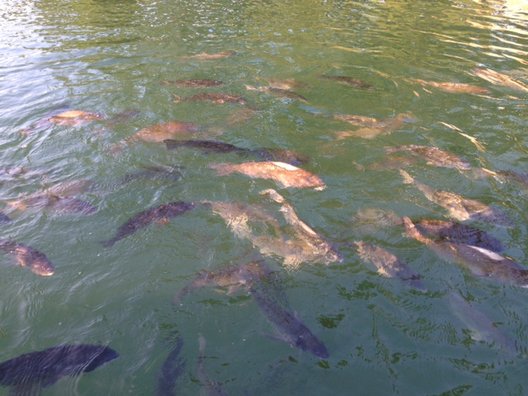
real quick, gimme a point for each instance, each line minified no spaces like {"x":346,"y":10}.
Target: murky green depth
{"x":109,"y":57}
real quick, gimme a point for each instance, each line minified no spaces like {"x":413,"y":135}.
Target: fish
{"x":213,"y":146}
{"x":214,"y":56}
{"x":479,"y":324}
{"x":374,"y":129}
{"x":459,"y":208}
{"x":29,"y":372}
{"x":171,"y":173}
{"x":433,"y":156}
{"x":358,"y":120}
{"x":4,"y":218}
{"x":286,"y":175}
{"x":291,"y":329}
{"x":497,"y":78}
{"x":231,"y":278}
{"x":280,"y":92}
{"x":29,"y":257}
{"x":241,"y":115}
{"x":193,"y":83}
{"x":74,"y":118}
{"x":478,"y":261}
{"x":458,"y":233}
{"x":58,"y":204}
{"x":171,"y":370}
{"x":167,"y":130}
{"x":212,"y":388}
{"x":351,"y":82}
{"x":158,"y":214}
{"x":213,"y":97}
{"x":453,"y":87}
{"x":388,"y":265}
{"x":285,"y":84}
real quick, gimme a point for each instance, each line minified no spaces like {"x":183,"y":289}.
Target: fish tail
{"x":108,"y":243}
{"x":222,"y":169}
{"x":407,"y":179}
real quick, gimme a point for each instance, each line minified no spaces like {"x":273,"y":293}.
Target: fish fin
{"x":407,"y":178}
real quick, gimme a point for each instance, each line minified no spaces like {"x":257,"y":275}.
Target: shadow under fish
{"x":171,"y":370}
{"x":213,"y":146}
{"x":158,"y":214}
{"x":28,"y":373}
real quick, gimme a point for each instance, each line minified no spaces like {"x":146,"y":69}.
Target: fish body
{"x":285,"y":174}
{"x":44,"y":368}
{"x":433,"y":155}
{"x":171,"y":370}
{"x":497,"y":78}
{"x":4,"y":218}
{"x":29,"y":257}
{"x":280,"y":92}
{"x":453,"y":87}
{"x":193,"y":83}
{"x":459,"y":208}
{"x":56,"y":203}
{"x":351,"y":82}
{"x":144,"y":218}
{"x":373,"y":129}
{"x":217,"y":98}
{"x":388,"y":265}
{"x":214,"y":56}
{"x":74,"y":118}
{"x":479,"y":261}
{"x":212,"y":388}
{"x":168,"y":130}
{"x":291,"y":328}
{"x":358,"y":120}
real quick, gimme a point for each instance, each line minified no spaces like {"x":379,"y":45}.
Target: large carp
{"x":171,"y":370}
{"x":433,"y":156}
{"x":371,"y":127}
{"x":497,"y":78}
{"x":29,"y":257}
{"x":158,"y":214}
{"x":284,"y":174}
{"x":479,"y":261}
{"x":453,"y":87}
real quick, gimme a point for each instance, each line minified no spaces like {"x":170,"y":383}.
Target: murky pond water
{"x":355,"y":89}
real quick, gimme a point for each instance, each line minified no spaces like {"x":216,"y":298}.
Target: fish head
{"x":308,"y":342}
{"x":102,"y":355}
{"x":42,"y":267}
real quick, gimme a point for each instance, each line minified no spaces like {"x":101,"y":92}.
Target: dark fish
{"x":161,"y":213}
{"x":351,"y":82}
{"x":388,"y":265}
{"x":290,"y":327}
{"x":212,"y":388}
{"x":43,"y":368}
{"x":213,"y":146}
{"x":434,"y":156}
{"x":171,"y":370}
{"x":69,"y":205}
{"x":154,"y":172}
{"x":458,"y":233}
{"x":216,"y":98}
{"x":26,"y":256}
{"x":4,"y":218}
{"x":193,"y":83}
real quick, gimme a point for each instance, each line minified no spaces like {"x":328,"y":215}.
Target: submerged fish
{"x":214,"y":56}
{"x":4,"y":218}
{"x":458,"y":233}
{"x":28,"y":257}
{"x":374,"y":129}
{"x":458,"y":207}
{"x":433,"y":155}
{"x":214,"y":97}
{"x":213,"y":146}
{"x":231,"y":278}
{"x":291,"y":329}
{"x":479,"y":261}
{"x":280,"y":92}
{"x":168,"y":130}
{"x":480,"y":325}
{"x":29,"y":372}
{"x":497,"y":78}
{"x":171,"y":370}
{"x":285,"y":174}
{"x":171,"y":173}
{"x":212,"y":388}
{"x":452,"y":87}
{"x":56,"y":203}
{"x":351,"y":82}
{"x":158,"y":214}
{"x":74,"y":118}
{"x":388,"y":264}
{"x":193,"y":83}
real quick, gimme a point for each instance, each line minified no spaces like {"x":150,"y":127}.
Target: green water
{"x":109,"y":57}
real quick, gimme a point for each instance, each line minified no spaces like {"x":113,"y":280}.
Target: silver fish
{"x":434,"y":156}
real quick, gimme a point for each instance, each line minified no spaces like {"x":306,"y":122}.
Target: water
{"x":109,"y":57}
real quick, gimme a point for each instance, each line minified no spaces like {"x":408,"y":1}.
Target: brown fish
{"x":479,"y":261}
{"x":358,"y":120}
{"x":74,"y":118}
{"x":28,"y":257}
{"x":168,"y":130}
{"x":215,"y":56}
{"x":213,"y":97}
{"x":383,"y":127}
{"x":158,"y":214}
{"x":458,"y":207}
{"x":351,"y":82}
{"x":231,"y":278}
{"x":193,"y":83}
{"x":499,"y":79}
{"x":433,"y":156}
{"x":388,"y":265}
{"x":285,"y":174}
{"x":56,"y":203}
{"x":452,"y":87}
